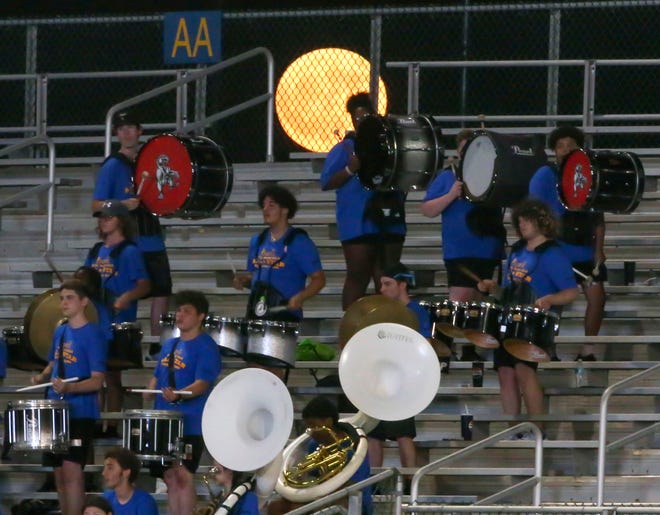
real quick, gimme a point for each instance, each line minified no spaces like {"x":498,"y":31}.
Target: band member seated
{"x":472,"y":236}
{"x":281,"y":261}
{"x":319,"y":415}
{"x":371,"y":224}
{"x":396,"y":283}
{"x":190,"y":362}
{"x":581,"y":234}
{"x":78,"y":350}
{"x":124,"y":281}
{"x":121,"y":468}
{"x":224,"y":492}
{"x":536,"y":269}
{"x":97,"y":505}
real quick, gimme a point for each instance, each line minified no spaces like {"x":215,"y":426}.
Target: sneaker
{"x":588,"y":357}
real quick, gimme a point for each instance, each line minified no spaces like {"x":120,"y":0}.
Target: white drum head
{"x":389,"y":371}
{"x":247,"y":419}
{"x":478,"y":165}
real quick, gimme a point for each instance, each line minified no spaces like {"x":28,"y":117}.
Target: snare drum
{"x":271,"y":343}
{"x":168,"y":328}
{"x":482,"y":324}
{"x":400,"y":152}
{"x":496,"y":168}
{"x":38,"y":425}
{"x":126,"y":349}
{"x":188,"y":177}
{"x":529,"y":332}
{"x":153,"y":435}
{"x":447,"y":317}
{"x":19,"y":354}
{"x":606,"y":181}
{"x":229,"y":333}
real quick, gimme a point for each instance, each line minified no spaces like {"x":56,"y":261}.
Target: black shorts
{"x":483,"y":268}
{"x":375,"y":239}
{"x":197,"y":443}
{"x":587,"y":268}
{"x":79,"y":429}
{"x":501,"y":358}
{"x":391,"y":430}
{"x":158,"y":269}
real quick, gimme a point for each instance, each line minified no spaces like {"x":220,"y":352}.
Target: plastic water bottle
{"x":580,"y":375}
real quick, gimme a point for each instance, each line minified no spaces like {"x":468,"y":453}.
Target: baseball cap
{"x":125,"y":118}
{"x":401,"y":272}
{"x":112,"y":208}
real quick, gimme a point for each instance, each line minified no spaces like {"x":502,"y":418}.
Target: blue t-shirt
{"x":115,"y":181}
{"x":351,"y":197}
{"x":3,"y":357}
{"x":140,"y":503}
{"x":120,"y":274}
{"x":422,"y":316}
{"x":248,"y":504}
{"x":543,"y":187}
{"x":85,"y":351}
{"x":458,"y":240}
{"x":194,"y":359}
{"x":285,"y":267}
{"x":546,"y":272}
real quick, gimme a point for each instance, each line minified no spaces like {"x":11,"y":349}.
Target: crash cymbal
{"x":441,"y":349}
{"x":483,"y":340}
{"x":42,"y":318}
{"x":374,"y":309}
{"x":525,"y":350}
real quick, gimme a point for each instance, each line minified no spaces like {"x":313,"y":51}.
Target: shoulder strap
{"x":292,"y":234}
{"x":94,"y":251}
{"x":545,"y":246}
{"x":121,"y":157}
{"x":119,"y":248}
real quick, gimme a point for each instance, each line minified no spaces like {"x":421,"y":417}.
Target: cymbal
{"x":374,"y":309}
{"x":483,"y":340}
{"x":42,"y":318}
{"x":526,"y":350}
{"x":441,"y":349}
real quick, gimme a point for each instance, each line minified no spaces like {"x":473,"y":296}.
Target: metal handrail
{"x":535,"y":481}
{"x":199,"y":74}
{"x":37,"y":140}
{"x":602,"y":426}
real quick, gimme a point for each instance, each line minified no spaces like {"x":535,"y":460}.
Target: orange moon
{"x":311,"y":95}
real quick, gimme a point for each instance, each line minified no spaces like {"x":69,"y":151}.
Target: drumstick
{"x":149,"y":390}
{"x":596,"y":271}
{"x":587,"y":278}
{"x":51,"y":264}
{"x":465,"y":270}
{"x":231,"y":263}
{"x":45,"y":385}
{"x":145,"y":176}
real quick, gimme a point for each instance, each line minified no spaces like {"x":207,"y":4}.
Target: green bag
{"x":310,"y":350}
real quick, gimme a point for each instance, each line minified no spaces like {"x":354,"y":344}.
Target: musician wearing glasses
{"x":191,"y":363}
{"x":582,"y":234}
{"x":472,"y":236}
{"x":78,"y":350}
{"x":537,"y":272}
{"x":371,"y":240}
{"x":283,"y":266}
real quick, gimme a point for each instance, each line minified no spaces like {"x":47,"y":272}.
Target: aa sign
{"x":192,"y":37}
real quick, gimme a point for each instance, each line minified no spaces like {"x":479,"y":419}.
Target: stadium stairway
{"x":204,"y":252}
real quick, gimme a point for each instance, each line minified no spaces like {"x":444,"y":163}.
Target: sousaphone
{"x":390,"y":372}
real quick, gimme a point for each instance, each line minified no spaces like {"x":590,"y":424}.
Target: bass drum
{"x":398,"y":152}
{"x":29,"y":350}
{"x":182,"y":176}
{"x":496,"y":168}
{"x":605,"y":181}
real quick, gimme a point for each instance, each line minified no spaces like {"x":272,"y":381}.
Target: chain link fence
{"x":466,"y":30}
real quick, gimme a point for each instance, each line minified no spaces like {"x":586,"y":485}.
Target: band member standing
{"x":472,"y":236}
{"x":395,"y":284}
{"x":536,"y":268}
{"x":124,"y":281}
{"x":581,"y":236}
{"x":284,"y":267}
{"x":190,"y":362}
{"x":370,"y":240}
{"x":78,"y":350}
{"x":121,"y":468}
{"x":115,"y":181}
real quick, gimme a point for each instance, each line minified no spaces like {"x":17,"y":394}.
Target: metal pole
{"x":588,"y":100}
{"x":374,"y":57}
{"x":554,"y":49}
{"x":466,"y":45}
{"x":413,"y":88}
{"x":29,"y":117}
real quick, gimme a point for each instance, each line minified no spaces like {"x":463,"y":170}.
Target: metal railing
{"x":181,"y":124}
{"x":588,"y":117}
{"x":603,"y":447}
{"x":48,"y":185}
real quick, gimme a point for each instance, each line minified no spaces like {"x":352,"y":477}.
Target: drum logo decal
{"x":165,"y":176}
{"x":579,"y":180}
{"x":382,"y":334}
{"x":522,"y":151}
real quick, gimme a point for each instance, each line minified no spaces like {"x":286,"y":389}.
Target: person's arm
{"x":557,"y":299}
{"x":198,"y":387}
{"x":142,"y":288}
{"x":242,"y":280}
{"x":153,"y":382}
{"x":44,"y":376}
{"x":92,"y":384}
{"x":315,"y":285}
{"x":437,"y":204}
{"x":339,"y":167}
{"x":599,"y":241}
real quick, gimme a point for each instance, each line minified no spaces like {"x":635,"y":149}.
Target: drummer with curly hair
{"x":537,"y":272}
